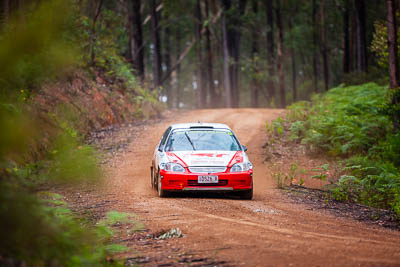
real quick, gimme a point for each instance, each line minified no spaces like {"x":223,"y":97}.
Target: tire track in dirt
{"x":268,"y":231}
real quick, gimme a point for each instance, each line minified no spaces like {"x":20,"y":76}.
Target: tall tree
{"x":392,"y":44}
{"x":324,"y":46}
{"x":270,"y":48}
{"x":362,"y":61}
{"x":294,"y":67}
{"x":226,"y":4}
{"x":4,"y":11}
{"x":235,"y":34}
{"x":136,"y":39}
{"x":210,"y":76}
{"x":254,"y":54}
{"x":315,"y":45}
{"x":178,"y":40}
{"x":234,"y":11}
{"x":346,"y":37}
{"x":155,"y":29}
{"x":97,"y":7}
{"x":393,"y":56}
{"x":280,"y":55}
{"x":167,"y":60}
{"x":201,"y":93}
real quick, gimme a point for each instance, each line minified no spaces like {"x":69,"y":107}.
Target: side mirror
{"x":159,"y":149}
{"x":244,"y":148}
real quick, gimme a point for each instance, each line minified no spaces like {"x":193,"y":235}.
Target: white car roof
{"x":200,"y":125}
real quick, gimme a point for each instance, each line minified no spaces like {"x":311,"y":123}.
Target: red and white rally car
{"x":201,"y":157}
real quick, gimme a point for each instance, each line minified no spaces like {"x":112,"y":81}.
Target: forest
{"x":230,"y":53}
{"x":70,"y":67}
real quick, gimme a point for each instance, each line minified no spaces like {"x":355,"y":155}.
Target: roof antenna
{"x":198,"y":121}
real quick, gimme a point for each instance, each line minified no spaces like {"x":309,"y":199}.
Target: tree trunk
{"x":270,"y":49}
{"x":4,"y":12}
{"x":233,"y":23}
{"x":227,"y":74}
{"x":362,"y":62}
{"x":294,"y":76}
{"x":210,"y":76}
{"x":187,"y":50}
{"x":346,"y":39}
{"x":392,"y":44}
{"x":236,"y":52}
{"x":254,"y":53}
{"x":178,"y":68}
{"x":96,"y":15}
{"x":294,"y":70}
{"x":393,"y":57}
{"x":315,"y":45}
{"x":137,"y":50}
{"x":201,"y":96}
{"x":156,"y":45}
{"x":324,"y":47}
{"x":167,"y":61}
{"x":280,"y":55}
{"x":353,"y":41}
{"x":13,"y":7}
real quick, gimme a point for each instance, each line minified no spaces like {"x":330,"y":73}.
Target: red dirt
{"x":270,"y":230}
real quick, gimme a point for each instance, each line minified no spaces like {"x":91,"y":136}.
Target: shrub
{"x":354,"y":123}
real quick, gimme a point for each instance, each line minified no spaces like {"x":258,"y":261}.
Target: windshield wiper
{"x":190,"y":141}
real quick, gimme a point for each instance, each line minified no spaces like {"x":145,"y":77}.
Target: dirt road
{"x":270,"y":230}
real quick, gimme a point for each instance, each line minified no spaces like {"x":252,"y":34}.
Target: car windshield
{"x":189,"y":140}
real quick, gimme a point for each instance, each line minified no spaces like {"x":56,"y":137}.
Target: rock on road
{"x":269,"y":230}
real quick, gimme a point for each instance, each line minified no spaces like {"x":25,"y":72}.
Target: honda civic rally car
{"x":201,"y":157}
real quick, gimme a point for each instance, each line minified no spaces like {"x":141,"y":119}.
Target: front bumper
{"x":177,"y":181}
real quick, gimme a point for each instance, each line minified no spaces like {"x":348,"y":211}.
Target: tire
{"x":152,"y":177}
{"x":247,"y":194}
{"x":161,"y":192}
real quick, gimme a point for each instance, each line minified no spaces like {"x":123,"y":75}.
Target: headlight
{"x":172,"y":167}
{"x":241,"y":167}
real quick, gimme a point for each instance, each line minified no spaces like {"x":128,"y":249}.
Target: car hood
{"x":205,"y":158}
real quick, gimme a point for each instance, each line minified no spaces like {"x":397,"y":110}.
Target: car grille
{"x":207,"y":169}
{"x":195,"y":183}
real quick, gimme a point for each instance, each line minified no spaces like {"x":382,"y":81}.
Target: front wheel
{"x":161,"y":192}
{"x":247,"y":194}
{"x":152,"y":177}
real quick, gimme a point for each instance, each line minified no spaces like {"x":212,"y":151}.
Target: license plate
{"x":207,"y":179}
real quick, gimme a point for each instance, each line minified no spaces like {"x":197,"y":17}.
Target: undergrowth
{"x":40,"y":147}
{"x":352,"y":124}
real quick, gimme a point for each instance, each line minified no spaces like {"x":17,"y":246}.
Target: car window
{"x":164,"y":137}
{"x":190,"y":140}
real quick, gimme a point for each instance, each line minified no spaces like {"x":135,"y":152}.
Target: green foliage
{"x":113,"y":217}
{"x":276,"y":127}
{"x":59,"y":238}
{"x":72,"y":161}
{"x":35,"y":49}
{"x":102,"y":51}
{"x":391,"y":108}
{"x":106,"y":44}
{"x":321,"y":172}
{"x":290,"y":177}
{"x":117,"y":218}
{"x":344,"y":121}
{"x":371,"y":182}
{"x":40,"y":229}
{"x":379,"y":43}
{"x":279,"y":181}
{"x":354,"y":123}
